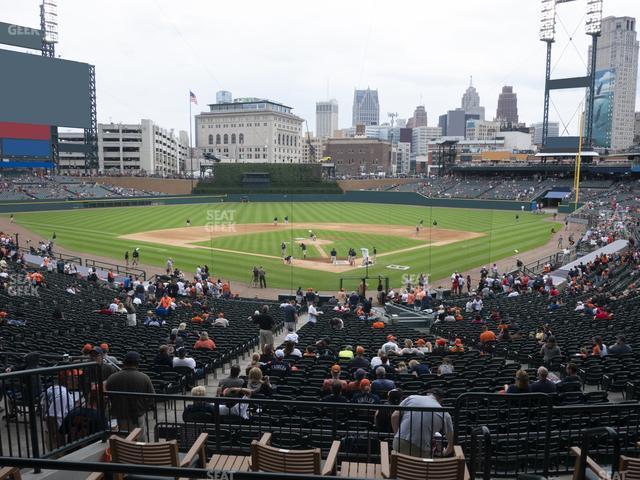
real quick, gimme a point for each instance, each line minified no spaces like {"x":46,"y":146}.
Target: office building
{"x":359,"y":156}
{"x":419,"y":118}
{"x":471,"y":101}
{"x":420,"y":138}
{"x":326,"y":118}
{"x":481,"y":130}
{"x":312,"y":149}
{"x":401,"y":158}
{"x":507,"y":111}
{"x":251,"y":130}
{"x":616,"y":76}
{"x":636,"y":129}
{"x":456,"y":123}
{"x":223,"y":96}
{"x":554,"y":131}
{"x":366,"y":108}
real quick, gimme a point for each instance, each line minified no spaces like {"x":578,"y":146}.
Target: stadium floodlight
{"x":593,"y":23}
{"x":548,"y":20}
{"x":50,"y":16}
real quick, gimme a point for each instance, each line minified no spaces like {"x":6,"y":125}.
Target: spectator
{"x":163,"y":358}
{"x":391,"y":346}
{"x":599,"y":348}
{"x":278,"y":364}
{"x":382,"y":417}
{"x":258,"y":384}
{"x":182,"y":360}
{"x":487,"y":335}
{"x":198,"y":406}
{"x":292,"y":336}
{"x":416,"y":429}
{"x":417,"y":368}
{"x":130,"y":410}
{"x":232,"y":381}
{"x":354,"y":387}
{"x":267,"y":354}
{"x":409,"y":349}
{"x":446,"y":368}
{"x":336,"y":393}
{"x":346,"y":353}
{"x":290,"y":350}
{"x":359,"y":361}
{"x":335,"y":378}
{"x":543,"y":385}
{"x":550,"y":350}
{"x":290,"y":314}
{"x":106,"y":370}
{"x":266,"y":324}
{"x":521,"y":384}
{"x":204,"y":343}
{"x":620,"y":347}
{"x":381,"y":385}
{"x":105,"y":353}
{"x":571,"y":375}
{"x":221,"y":321}
{"x":364,"y":395}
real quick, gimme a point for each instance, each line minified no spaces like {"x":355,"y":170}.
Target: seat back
{"x":266,"y":458}
{"x":631,"y":467}
{"x":160,"y":453}
{"x":407,"y":467}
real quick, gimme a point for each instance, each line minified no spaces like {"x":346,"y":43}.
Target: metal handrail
{"x":486,"y":449}
{"x":584,"y":452}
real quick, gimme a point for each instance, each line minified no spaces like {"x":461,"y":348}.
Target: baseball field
{"x":232,"y":238}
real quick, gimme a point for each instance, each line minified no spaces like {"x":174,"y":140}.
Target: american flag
{"x":192,"y":97}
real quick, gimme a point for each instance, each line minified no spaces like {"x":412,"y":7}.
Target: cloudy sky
{"x":150,"y":53}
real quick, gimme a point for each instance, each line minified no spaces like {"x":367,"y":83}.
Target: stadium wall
{"x":390,"y":198}
{"x":171,"y":186}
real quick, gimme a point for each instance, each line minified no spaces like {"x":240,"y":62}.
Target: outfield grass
{"x":96,"y":231}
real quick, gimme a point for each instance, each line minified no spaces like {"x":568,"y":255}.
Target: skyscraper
{"x":223,"y":96}
{"x":471,"y":101}
{"x":419,"y":118}
{"x":507,"y":111}
{"x":616,"y":78}
{"x":366,"y":109}
{"x":326,"y":118}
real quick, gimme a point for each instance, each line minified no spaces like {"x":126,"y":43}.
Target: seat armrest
{"x":384,"y":460}
{"x":134,"y":434}
{"x":196,"y":449}
{"x":265,"y":439}
{"x":332,"y":459}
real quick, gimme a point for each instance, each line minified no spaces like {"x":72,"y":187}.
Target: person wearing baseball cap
{"x":416,"y":429}
{"x":364,"y":395}
{"x":359,"y":361}
{"x":130,"y":411}
{"x":358,"y":376}
{"x":97,"y":355}
{"x":105,"y":353}
{"x":278,"y":364}
{"x":327,"y":385}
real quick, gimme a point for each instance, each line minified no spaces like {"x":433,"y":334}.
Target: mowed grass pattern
{"x":96,"y":231}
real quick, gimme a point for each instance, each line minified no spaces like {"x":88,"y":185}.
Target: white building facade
{"x":250,"y":130}
{"x":132,"y":149}
{"x":420,"y":138}
{"x":326,"y":118}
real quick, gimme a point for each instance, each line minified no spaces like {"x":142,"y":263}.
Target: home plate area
{"x":187,"y":237}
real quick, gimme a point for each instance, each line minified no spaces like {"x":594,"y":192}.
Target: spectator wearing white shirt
{"x":313,"y":313}
{"x":183,"y":361}
{"x":391,"y":346}
{"x":477,"y":304}
{"x":221,"y":321}
{"x":291,"y":336}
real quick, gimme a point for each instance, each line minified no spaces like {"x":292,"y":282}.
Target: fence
{"x":115,"y":268}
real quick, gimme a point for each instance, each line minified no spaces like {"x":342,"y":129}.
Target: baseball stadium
{"x":372,"y":303}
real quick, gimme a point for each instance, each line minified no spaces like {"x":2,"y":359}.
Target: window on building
{"x":218,"y":139}
{"x":225,"y":139}
{"x":210,"y":139}
{"x":233,"y":138}
{"x":241,"y":138}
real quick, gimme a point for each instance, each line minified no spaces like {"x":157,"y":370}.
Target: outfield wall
{"x":390,"y":198}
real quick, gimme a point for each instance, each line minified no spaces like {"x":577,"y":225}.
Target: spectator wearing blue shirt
{"x":543,"y":385}
{"x":381,"y":385}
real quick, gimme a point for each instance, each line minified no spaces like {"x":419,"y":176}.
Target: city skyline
{"x":147,"y":62}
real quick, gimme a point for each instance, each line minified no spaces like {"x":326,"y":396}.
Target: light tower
{"x":49,"y":27}
{"x":392,"y":116}
{"x":593,"y":24}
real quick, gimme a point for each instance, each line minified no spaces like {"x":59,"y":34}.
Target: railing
{"x":115,"y":268}
{"x":48,"y":409}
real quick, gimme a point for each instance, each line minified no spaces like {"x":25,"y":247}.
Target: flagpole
{"x":190,"y":144}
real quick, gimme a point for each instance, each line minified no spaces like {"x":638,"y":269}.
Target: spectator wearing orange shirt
{"x":487,"y":335}
{"x":204,"y":343}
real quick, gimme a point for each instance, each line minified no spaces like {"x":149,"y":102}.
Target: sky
{"x":150,"y":53}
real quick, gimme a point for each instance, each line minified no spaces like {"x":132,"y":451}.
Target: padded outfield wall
{"x":390,"y":198}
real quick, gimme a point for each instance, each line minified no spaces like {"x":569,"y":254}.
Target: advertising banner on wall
{"x":603,"y":107}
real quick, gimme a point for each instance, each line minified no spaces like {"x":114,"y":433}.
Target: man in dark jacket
{"x":543,"y":385}
{"x":130,"y":411}
{"x":266,"y":324}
